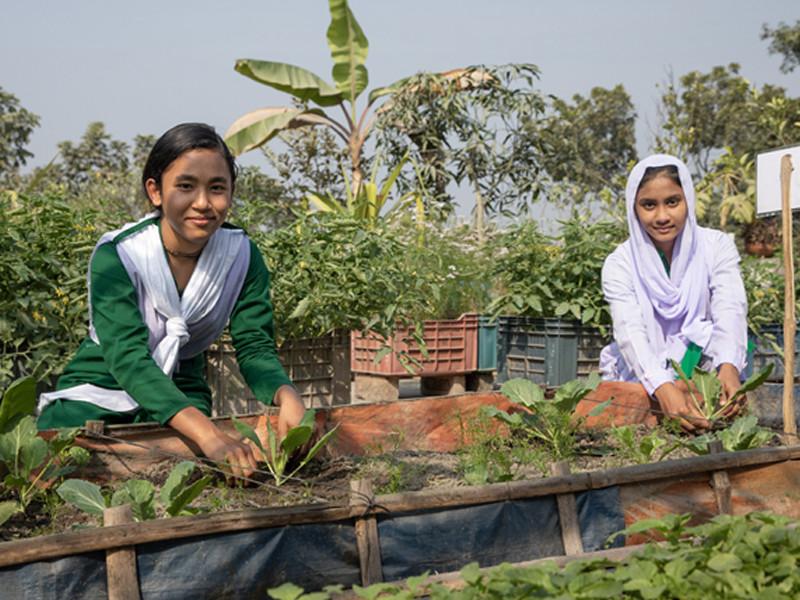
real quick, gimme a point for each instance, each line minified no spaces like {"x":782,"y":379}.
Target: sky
{"x":143,"y":66}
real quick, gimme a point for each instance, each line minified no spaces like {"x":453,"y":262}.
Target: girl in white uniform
{"x":675,"y":292}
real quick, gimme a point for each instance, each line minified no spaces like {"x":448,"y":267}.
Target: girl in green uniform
{"x":161,"y":290}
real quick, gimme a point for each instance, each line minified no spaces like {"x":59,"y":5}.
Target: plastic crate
{"x":451,"y":345}
{"x":319,"y":368}
{"x":547,"y":351}
{"x":765,"y":352}
{"x":487,"y":344}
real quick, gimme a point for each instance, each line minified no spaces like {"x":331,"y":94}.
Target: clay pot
{"x":762,"y":249}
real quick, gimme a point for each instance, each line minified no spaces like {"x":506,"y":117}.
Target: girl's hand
{"x":236,"y":455}
{"x":729,"y":378}
{"x":291,"y":409}
{"x":676,"y":403}
{"x":216,"y":445}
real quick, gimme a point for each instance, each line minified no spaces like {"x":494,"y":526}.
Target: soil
{"x":328,"y":480}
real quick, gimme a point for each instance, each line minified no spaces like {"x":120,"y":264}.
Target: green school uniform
{"x":123,"y":361}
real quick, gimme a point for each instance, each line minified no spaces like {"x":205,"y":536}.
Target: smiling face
{"x":662,"y":210}
{"x":194,"y":198}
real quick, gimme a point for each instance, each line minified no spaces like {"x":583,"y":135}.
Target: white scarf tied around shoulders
{"x":142,"y":255}
{"x":680,"y":299}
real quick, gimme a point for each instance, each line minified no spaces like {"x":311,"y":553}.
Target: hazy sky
{"x":142,"y":66}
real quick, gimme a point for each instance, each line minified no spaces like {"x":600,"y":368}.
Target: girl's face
{"x":195,"y":194}
{"x":662,"y":210}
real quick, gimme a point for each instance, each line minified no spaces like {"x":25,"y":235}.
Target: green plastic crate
{"x":487,"y":344}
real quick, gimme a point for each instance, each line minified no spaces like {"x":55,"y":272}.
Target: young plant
{"x":552,"y":422}
{"x":705,"y":389}
{"x":30,"y":463}
{"x":277,"y":455}
{"x":174,"y":499}
{"x":652,"y":447}
{"x":743,"y":434}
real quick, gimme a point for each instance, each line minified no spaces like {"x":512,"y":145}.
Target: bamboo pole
{"x":789,"y":322}
{"x":367,"y":540}
{"x":721,"y":482}
{"x":567,"y":514}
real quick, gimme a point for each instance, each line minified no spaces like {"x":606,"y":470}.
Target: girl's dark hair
{"x":651,"y":173}
{"x":180,"y":139}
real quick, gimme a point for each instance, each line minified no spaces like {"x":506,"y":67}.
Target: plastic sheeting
{"x":445,"y":540}
{"x":244,"y":564}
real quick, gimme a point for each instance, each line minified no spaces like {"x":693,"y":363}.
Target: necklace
{"x":178,"y":254}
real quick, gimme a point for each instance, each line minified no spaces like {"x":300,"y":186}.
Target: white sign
{"x":768,"y":180}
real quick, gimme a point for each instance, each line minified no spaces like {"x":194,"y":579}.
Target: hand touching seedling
{"x":705,"y":391}
{"x":277,"y":455}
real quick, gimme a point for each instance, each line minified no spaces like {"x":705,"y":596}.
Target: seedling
{"x":705,"y":389}
{"x":277,"y":455}
{"x":175,"y":497}
{"x":552,"y":422}
{"x":30,"y":463}
{"x":743,"y":434}
{"x":649,"y":448}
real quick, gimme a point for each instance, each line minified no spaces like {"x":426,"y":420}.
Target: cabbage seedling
{"x":277,"y":455}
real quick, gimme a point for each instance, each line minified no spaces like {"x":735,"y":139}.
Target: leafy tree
{"x":705,"y":112}
{"x":586,"y":146}
{"x":97,"y":155}
{"x":467,"y":125}
{"x":16,"y":126}
{"x":784,"y":40}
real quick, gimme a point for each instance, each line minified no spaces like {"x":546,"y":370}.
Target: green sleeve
{"x":123,"y":338}
{"x":253,"y":333}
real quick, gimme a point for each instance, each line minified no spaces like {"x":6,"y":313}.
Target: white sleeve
{"x":728,"y":341}
{"x":630,"y":331}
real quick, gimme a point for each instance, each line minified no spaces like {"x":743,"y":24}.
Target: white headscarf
{"x":674,"y":306}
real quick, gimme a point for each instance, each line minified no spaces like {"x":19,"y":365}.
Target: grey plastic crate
{"x":319,"y":368}
{"x":547,"y":351}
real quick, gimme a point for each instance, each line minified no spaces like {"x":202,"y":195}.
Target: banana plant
{"x":349,"y":48}
{"x":277,"y":455}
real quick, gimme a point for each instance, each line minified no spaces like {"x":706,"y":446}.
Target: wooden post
{"x":568,"y":514}
{"x":122,"y":578}
{"x":721,"y":484}
{"x":93,"y":428}
{"x":367,"y":541}
{"x":789,"y":323}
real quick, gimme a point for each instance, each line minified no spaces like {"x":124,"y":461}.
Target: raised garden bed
{"x":440,"y":529}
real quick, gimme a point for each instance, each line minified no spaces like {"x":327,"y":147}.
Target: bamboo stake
{"x":121,"y":575}
{"x":789,"y":323}
{"x":568,"y":514}
{"x":721,"y":484}
{"x":367,"y":541}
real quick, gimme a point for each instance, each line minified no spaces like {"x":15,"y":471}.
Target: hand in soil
{"x":675,"y":402}
{"x":236,"y":456}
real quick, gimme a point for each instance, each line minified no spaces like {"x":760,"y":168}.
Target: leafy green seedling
{"x":650,"y":448}
{"x":743,"y":434}
{"x":29,"y":461}
{"x":552,"y":422}
{"x":18,"y":401}
{"x":277,"y":455}
{"x":705,"y":389}
{"x":174,"y":498}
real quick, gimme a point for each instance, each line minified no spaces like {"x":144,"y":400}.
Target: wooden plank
{"x":367,"y":541}
{"x":121,"y":575}
{"x":567,"y":514}
{"x":669,"y":472}
{"x":721,"y":484}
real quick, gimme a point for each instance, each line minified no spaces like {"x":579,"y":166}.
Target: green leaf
{"x":141,"y":495}
{"x":8,"y":509}
{"x":753,"y":382}
{"x":522,"y":391}
{"x":597,"y":410}
{"x":33,"y":454}
{"x":301,"y":308}
{"x":725,"y":561}
{"x":259,"y":126}
{"x":319,"y":445}
{"x":349,"y":48}
{"x":186,"y":495}
{"x":295,"y":438}
{"x":84,"y":495}
{"x":710,"y":389}
{"x":286,"y":591}
{"x":19,"y":400}
{"x":380,"y":354}
{"x":387,"y":89}
{"x":15,"y":442}
{"x":562,"y":309}
{"x":290,"y":79}
{"x":245,"y":430}
{"x":175,"y":481}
